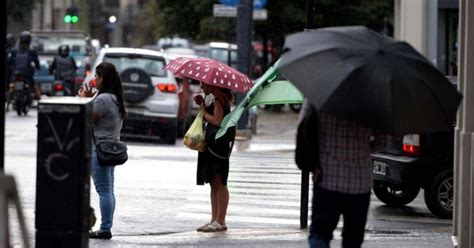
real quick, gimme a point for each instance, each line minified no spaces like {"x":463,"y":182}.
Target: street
{"x":159,"y":203}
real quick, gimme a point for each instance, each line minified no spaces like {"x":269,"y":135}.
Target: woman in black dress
{"x":213,"y":164}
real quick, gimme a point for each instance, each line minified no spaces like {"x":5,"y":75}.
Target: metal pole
{"x":305,"y":174}
{"x":229,"y":40}
{"x":3,"y":32}
{"x":244,"y":38}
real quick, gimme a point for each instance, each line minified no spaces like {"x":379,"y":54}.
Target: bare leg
{"x":213,"y":202}
{"x":222,"y":200}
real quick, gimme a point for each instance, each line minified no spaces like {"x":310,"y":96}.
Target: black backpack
{"x":307,"y":145}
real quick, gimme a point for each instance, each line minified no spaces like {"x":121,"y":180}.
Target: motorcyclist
{"x":24,"y":60}
{"x":9,"y":47}
{"x":64,"y":69}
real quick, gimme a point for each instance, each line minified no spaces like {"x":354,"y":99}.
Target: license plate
{"x":136,"y":110}
{"x":380,"y":167}
{"x":46,"y":87}
{"x":19,"y":85}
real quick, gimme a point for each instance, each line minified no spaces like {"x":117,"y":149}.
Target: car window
{"x":153,"y":65}
{"x":221,"y":55}
{"x":51,"y":43}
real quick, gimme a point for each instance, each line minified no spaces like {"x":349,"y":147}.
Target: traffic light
{"x":71,"y":15}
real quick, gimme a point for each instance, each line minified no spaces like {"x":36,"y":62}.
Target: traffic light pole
{"x":244,"y":42}
{"x":3,"y":32}
{"x":304,"y":201}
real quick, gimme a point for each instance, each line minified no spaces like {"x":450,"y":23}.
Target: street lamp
{"x":112,"y":19}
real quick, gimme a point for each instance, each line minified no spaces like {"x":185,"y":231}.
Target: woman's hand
{"x":86,"y":91}
{"x":198,"y":99}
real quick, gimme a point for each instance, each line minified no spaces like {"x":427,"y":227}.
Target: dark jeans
{"x":327,"y":207}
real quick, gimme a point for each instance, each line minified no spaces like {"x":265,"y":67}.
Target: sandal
{"x":214,"y":227}
{"x":199,"y":229}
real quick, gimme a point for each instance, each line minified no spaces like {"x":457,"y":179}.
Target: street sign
{"x":229,"y":2}
{"x":257,"y":4}
{"x":221,"y":10}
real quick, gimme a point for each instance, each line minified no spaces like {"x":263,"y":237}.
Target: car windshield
{"x":221,"y":55}
{"x":153,"y":65}
{"x":50,"y":44}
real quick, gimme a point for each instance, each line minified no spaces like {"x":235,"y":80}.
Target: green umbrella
{"x":267,"y":90}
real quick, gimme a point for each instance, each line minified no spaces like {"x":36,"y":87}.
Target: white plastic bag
{"x":194,"y":138}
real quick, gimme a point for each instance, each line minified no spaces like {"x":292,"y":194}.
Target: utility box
{"x":63,"y":172}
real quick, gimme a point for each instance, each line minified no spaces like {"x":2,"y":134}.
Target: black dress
{"x":216,"y":162}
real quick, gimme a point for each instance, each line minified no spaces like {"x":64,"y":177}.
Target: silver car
{"x":150,"y":92}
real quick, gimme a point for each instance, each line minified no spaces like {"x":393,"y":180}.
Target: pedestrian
{"x":342,"y":176}
{"x":107,"y":116}
{"x":213,"y":164}
{"x":64,"y":69}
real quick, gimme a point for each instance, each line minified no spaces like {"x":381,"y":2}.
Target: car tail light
{"x":411,"y":144}
{"x":166,"y":88}
{"x":58,"y":87}
{"x":19,"y":77}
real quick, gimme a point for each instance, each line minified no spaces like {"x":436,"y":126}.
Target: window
{"x":154,"y":66}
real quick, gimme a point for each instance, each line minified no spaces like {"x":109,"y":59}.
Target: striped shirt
{"x":345,"y":149}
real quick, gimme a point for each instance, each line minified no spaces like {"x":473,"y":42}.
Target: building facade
{"x":443,"y":31}
{"x":431,"y":26}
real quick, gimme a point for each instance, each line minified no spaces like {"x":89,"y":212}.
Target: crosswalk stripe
{"x":239,"y":209}
{"x":236,"y":199}
{"x":233,"y":218}
{"x":263,"y":190}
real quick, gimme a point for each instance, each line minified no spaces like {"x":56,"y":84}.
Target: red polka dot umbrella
{"x":211,"y":72}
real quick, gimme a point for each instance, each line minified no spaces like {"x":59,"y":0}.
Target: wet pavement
{"x":158,"y":203}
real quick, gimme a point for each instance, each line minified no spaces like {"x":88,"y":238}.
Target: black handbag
{"x":222,"y":147}
{"x":110,"y":153}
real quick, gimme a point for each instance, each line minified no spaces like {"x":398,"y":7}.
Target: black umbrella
{"x":358,"y":74}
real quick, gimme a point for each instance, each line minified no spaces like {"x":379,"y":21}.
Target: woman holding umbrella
{"x":213,"y":164}
{"x":217,"y":81}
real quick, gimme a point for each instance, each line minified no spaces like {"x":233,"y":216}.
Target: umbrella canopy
{"x":358,"y":74}
{"x":267,"y":90}
{"x":210,"y":71}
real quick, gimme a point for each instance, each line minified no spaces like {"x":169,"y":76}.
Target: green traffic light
{"x":67,"y":19}
{"x":74,"y":19}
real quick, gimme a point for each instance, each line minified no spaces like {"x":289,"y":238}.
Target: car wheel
{"x":183,"y":126}
{"x":439,"y":195}
{"x":395,"y":196}
{"x":169,"y":137}
{"x":295,"y":107}
{"x":137,"y":85}
{"x":19,"y":107}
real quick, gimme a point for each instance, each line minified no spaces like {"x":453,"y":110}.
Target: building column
{"x":464,"y":149}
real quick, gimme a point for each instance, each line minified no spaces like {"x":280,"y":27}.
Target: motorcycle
{"x":21,"y":94}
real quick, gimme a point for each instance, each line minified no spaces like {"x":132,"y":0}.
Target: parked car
{"x":414,"y":162}
{"x":220,"y":51}
{"x":150,"y":92}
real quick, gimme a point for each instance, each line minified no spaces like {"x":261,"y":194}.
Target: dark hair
{"x":111,"y":83}
{"x":228,"y":94}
